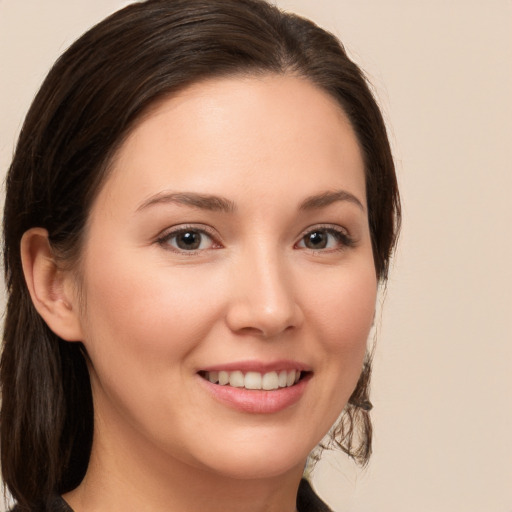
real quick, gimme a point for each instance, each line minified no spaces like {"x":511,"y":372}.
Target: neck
{"x":124,"y":475}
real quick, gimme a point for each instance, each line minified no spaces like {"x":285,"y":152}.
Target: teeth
{"x":270,"y":381}
{"x":236,"y":379}
{"x":252,"y":380}
{"x":255,"y":380}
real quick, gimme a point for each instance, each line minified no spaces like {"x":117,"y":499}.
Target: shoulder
{"x":308,"y":501}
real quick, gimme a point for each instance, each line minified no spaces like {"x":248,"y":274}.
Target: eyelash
{"x":341,"y":236}
{"x":165,"y":239}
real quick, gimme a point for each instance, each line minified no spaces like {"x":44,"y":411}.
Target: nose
{"x":263,"y":300}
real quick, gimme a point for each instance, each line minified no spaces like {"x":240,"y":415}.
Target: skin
{"x":151,"y":315}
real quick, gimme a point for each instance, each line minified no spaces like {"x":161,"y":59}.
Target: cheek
{"x":345,"y":306}
{"x":143,"y":316}
{"x":344,"y":314}
{"x":141,"y":324}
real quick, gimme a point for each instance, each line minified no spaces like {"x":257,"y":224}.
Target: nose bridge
{"x":264,"y":299}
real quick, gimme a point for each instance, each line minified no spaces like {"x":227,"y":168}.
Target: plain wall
{"x":442,"y":387}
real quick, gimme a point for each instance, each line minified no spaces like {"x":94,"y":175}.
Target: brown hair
{"x":85,"y":108}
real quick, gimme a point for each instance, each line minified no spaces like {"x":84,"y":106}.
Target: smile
{"x":254,"y":380}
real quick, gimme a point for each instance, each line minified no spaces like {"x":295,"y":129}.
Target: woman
{"x":201,"y":205}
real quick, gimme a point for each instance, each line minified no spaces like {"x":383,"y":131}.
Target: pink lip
{"x":257,"y":401}
{"x":258,"y":366}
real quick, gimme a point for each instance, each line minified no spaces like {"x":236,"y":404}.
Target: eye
{"x":325,"y":238}
{"x":187,"y":240}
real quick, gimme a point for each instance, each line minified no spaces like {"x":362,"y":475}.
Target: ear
{"x":51,"y":288}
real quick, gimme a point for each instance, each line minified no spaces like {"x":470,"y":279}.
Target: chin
{"x":261,"y":458}
{"x":258,"y":468}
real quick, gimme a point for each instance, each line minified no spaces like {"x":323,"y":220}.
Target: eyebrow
{"x":327,"y":198}
{"x":217,"y":203}
{"x":200,"y":201}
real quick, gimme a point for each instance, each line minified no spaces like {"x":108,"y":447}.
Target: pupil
{"x":316,"y":239}
{"x":189,"y":240}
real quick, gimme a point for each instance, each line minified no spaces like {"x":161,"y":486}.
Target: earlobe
{"x":51,"y":288}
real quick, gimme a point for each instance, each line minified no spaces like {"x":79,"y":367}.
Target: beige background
{"x":442,"y":70}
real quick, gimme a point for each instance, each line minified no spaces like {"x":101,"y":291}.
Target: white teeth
{"x":290,"y":378}
{"x":254,"y":380}
{"x":270,"y":381}
{"x":236,"y":379}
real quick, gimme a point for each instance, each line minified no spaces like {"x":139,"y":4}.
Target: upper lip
{"x":258,"y":366}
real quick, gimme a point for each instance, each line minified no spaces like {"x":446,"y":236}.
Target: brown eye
{"x":316,"y":240}
{"x":187,"y":240}
{"x":325,"y":239}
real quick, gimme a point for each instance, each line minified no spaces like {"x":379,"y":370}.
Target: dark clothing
{"x":55,"y":504}
{"x":307,"y":501}
{"x":59,"y":505}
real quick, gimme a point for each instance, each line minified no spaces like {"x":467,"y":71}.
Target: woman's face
{"x":231,"y":241}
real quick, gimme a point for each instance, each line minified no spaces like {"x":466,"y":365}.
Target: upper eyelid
{"x":180,"y":228}
{"x":173,"y":231}
{"x":346,"y":239}
{"x":326,"y":226}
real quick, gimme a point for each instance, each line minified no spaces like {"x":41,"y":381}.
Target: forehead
{"x":230,"y":134}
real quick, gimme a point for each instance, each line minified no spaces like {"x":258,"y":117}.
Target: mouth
{"x":255,"y":381}
{"x":257,"y":388}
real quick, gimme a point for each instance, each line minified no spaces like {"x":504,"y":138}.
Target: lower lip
{"x":257,"y":401}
